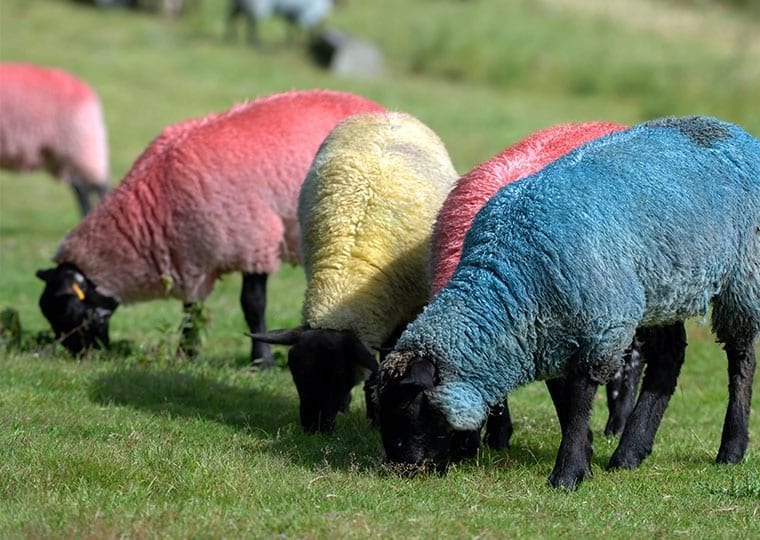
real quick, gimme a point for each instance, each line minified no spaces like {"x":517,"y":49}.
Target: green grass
{"x":134,"y":443}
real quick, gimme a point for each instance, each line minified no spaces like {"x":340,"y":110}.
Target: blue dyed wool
{"x":643,"y":227}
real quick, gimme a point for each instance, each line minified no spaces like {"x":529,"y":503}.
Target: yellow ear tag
{"x":77,"y":291}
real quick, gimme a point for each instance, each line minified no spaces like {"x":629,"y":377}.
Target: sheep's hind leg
{"x":741,"y":370}
{"x":573,"y":398}
{"x":622,"y":391}
{"x":663,"y":348}
{"x":83,"y":198}
{"x":253,"y":299}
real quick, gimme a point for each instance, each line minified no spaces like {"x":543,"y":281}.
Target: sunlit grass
{"x":136,"y":443}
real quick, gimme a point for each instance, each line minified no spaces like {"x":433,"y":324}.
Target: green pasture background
{"x":137,"y":444}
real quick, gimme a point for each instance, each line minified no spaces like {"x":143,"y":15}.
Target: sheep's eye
{"x":404,"y":405}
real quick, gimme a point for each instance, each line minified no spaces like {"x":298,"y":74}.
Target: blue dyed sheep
{"x":640,"y":229}
{"x":305,"y":14}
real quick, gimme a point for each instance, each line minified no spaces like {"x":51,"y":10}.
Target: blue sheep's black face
{"x":77,"y":313}
{"x":415,"y":435}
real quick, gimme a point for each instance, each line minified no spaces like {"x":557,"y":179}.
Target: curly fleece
{"x":366,"y":211}
{"x":476,"y":187}
{"x":642,"y":227}
{"x":51,"y":120}
{"x":208,"y":196}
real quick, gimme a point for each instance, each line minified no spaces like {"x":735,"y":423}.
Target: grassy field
{"x":133,"y":443}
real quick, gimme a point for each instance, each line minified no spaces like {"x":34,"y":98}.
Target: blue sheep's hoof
{"x":567,"y":479}
{"x":618,"y":461}
{"x":731,"y":456}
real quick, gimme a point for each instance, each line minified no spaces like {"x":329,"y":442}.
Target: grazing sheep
{"x":637,"y":230}
{"x":305,"y":14}
{"x":207,"y":197}
{"x":51,"y":120}
{"x":469,"y":195}
{"x":366,"y":211}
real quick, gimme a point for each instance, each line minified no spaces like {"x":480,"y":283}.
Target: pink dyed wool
{"x":476,"y":187}
{"x":207,"y":197}
{"x":51,"y":120}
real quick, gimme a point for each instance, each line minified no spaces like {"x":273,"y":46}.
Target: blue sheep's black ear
{"x":420,"y":373}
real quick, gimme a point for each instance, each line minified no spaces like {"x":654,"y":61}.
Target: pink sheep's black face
{"x":77,"y":313}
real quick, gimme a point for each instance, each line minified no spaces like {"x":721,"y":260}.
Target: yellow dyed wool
{"x":367,"y":209}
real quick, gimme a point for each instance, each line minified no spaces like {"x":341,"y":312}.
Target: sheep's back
{"x":209,"y":196}
{"x":642,"y":227}
{"x":477,"y":186}
{"x":49,"y":116}
{"x":366,"y":211}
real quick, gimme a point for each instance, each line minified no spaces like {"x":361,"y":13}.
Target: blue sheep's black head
{"x":415,"y":434}
{"x":77,"y":313}
{"x":325,"y":365}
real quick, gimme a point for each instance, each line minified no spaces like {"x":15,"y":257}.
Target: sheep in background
{"x":366,"y":211}
{"x":51,"y":120}
{"x":305,"y":14}
{"x":207,"y":197}
{"x":469,"y":195}
{"x":637,"y":230}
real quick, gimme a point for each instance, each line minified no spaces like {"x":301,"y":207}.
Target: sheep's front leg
{"x":663,"y":348}
{"x":622,"y":391}
{"x":573,"y":398}
{"x":190,"y":329}
{"x":741,"y":371}
{"x":499,"y":427}
{"x":253,"y":299}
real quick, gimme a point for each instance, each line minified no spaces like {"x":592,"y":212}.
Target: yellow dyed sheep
{"x":366,"y":211}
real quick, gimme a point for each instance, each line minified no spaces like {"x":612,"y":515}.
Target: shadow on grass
{"x":260,"y":410}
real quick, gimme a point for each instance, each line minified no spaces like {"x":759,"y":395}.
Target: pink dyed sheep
{"x":469,"y":195}
{"x":51,"y":120}
{"x":207,"y":197}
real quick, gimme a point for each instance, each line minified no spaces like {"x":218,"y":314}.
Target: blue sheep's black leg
{"x":622,"y":391}
{"x":253,"y":299}
{"x":190,"y":329}
{"x":741,"y":370}
{"x":499,"y":427}
{"x":573,"y":398}
{"x":663,"y":348}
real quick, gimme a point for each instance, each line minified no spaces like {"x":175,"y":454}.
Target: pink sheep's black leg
{"x":573,"y":397}
{"x":253,"y":299}
{"x":741,"y":371}
{"x":622,"y":391}
{"x":663,"y":349}
{"x":499,"y":427}
{"x":190,"y":329}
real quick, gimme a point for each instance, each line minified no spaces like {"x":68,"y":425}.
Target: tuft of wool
{"x":366,"y":210}
{"x":642,"y":227}
{"x":476,"y":187}
{"x":207,"y":197}
{"x":50,"y":119}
